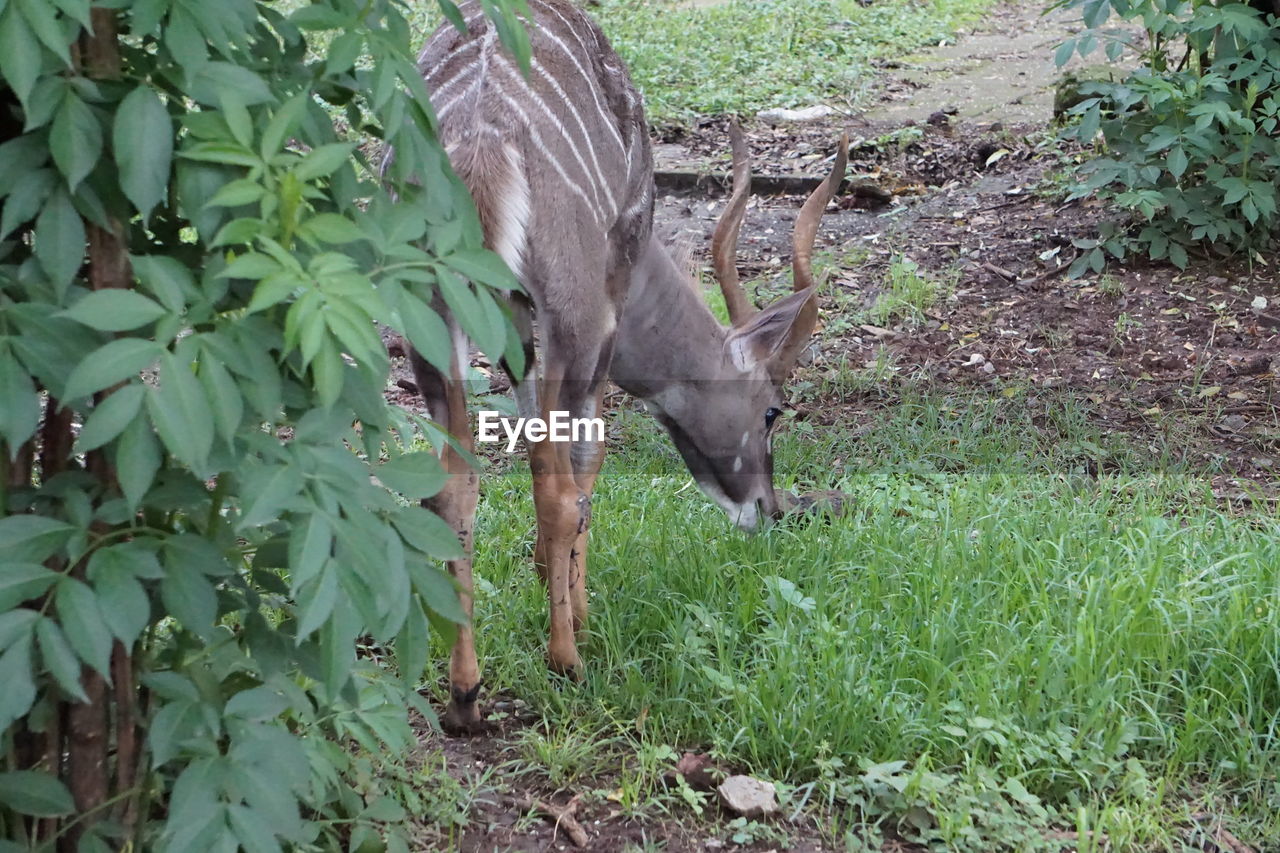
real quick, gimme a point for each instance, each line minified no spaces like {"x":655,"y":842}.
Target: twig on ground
{"x":1048,"y":273}
{"x":563,"y":817}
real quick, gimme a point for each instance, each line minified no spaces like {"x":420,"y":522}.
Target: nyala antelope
{"x":560,"y":169}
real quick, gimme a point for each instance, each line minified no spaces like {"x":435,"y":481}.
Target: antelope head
{"x":718,"y":390}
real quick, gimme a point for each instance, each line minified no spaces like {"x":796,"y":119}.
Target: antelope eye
{"x":771,"y":415}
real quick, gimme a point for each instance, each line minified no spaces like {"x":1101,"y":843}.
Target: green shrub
{"x":1187,"y":141}
{"x":191,"y":266}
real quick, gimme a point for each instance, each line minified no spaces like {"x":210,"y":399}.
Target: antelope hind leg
{"x":456,"y":505}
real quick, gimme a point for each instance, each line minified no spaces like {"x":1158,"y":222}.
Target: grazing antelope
{"x":559,"y":166}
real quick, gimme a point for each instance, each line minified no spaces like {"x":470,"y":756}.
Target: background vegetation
{"x":1186,"y":144}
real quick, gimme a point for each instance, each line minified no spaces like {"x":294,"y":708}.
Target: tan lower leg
{"x":562,"y":511}
{"x":456,"y":505}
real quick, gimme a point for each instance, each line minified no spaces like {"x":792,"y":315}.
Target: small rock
{"x":748,"y":796}
{"x":698,"y":770}
{"x":780,"y":116}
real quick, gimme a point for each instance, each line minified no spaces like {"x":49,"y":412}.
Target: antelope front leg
{"x":587,"y":457}
{"x":563,"y":511}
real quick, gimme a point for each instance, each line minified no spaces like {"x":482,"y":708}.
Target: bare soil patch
{"x":1182,"y":361}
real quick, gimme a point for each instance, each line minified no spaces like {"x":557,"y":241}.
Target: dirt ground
{"x":1182,"y":360}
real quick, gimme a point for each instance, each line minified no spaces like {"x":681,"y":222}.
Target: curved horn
{"x":724,"y":241}
{"x":805,"y":232}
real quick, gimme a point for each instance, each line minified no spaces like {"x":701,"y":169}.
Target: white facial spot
{"x":737,"y":464}
{"x":744,"y":515}
{"x":746,"y":436}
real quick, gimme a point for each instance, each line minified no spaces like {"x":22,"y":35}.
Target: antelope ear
{"x":757,"y":341}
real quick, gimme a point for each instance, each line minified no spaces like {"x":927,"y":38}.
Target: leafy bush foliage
{"x":193,"y":261}
{"x":1188,"y":139}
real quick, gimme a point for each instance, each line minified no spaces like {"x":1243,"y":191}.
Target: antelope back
{"x":558,"y":162}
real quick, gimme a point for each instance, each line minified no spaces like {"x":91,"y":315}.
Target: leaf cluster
{"x":205,"y":500}
{"x":1187,"y":142}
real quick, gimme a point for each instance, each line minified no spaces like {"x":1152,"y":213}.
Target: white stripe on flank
{"x":586,"y":137}
{"x":542,"y":149}
{"x":640,"y":204}
{"x":591,"y":80}
{"x":486,"y":52}
{"x":460,"y":75}
{"x":513,"y":213}
{"x":447,"y":29}
{"x":596,"y":189}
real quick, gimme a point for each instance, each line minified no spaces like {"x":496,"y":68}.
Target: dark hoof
{"x":462,"y":715}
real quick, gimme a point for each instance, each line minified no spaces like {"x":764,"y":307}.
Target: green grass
{"x":741,"y":56}
{"x":992,"y":642}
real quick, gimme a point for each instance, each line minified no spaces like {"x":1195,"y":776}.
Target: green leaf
{"x":323,"y":160}
{"x":316,"y":601}
{"x":269,"y":491}
{"x":181,"y":413}
{"x":428,"y":533}
{"x":426,"y":331}
{"x":412,"y":645}
{"x":16,"y":626}
{"x":20,"y":412}
{"x":82,"y":621}
{"x":257,"y":704}
{"x":124,"y":603}
{"x":343,"y":53}
{"x":224,"y":395}
{"x":114,"y":310}
{"x":207,"y":83}
{"x":44,"y":23}
{"x":189,"y":597}
{"x":110,"y":417}
{"x":32,"y":538}
{"x":60,"y":240}
{"x":166,"y":278}
{"x":251,"y":265}
{"x":439,"y":593}
{"x":111,"y":363}
{"x":243,"y":230}
{"x":137,"y":461}
{"x":254,"y":830}
{"x":226,"y":153}
{"x":1064,"y":52}
{"x":273,"y":290}
{"x":27,"y":198}
{"x":15,"y":674}
{"x":142,"y":139}
{"x":21,"y":582}
{"x":75,"y":140}
{"x":414,"y":475}
{"x":59,"y":659}
{"x":19,"y":54}
{"x":33,"y":793}
{"x":77,"y":9}
{"x":282,"y":124}
{"x":331,"y":228}
{"x":237,"y":193}
{"x":483,"y":266}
